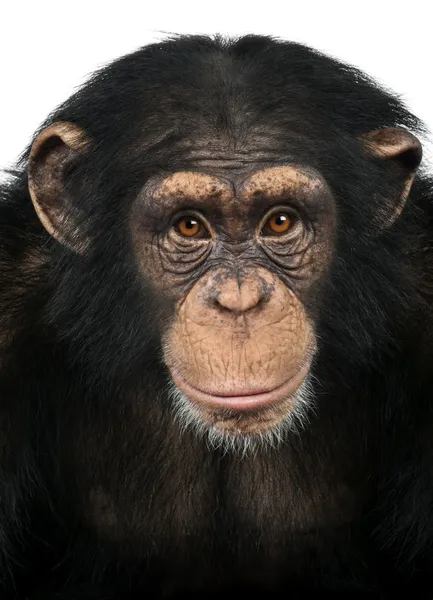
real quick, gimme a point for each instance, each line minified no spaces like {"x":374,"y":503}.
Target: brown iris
{"x":190,"y":227}
{"x":278,"y":224}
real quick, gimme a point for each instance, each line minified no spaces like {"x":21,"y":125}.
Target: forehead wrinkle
{"x":197,"y":187}
{"x":279,"y":182}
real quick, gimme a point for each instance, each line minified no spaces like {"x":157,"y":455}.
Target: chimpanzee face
{"x":235,"y":247}
{"x":237,"y":251}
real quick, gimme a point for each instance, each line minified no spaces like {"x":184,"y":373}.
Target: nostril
{"x":217,"y":304}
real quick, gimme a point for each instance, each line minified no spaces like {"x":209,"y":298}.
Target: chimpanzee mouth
{"x":245,"y":399}
{"x":264,"y":420}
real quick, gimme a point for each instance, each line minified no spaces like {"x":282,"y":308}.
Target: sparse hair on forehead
{"x":216,"y":84}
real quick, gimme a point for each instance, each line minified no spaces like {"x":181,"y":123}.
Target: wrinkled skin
{"x":239,"y":330}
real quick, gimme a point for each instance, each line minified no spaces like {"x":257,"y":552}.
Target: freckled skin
{"x":199,"y":186}
{"x":237,"y":327}
{"x":171,"y":261}
{"x":277,"y":182}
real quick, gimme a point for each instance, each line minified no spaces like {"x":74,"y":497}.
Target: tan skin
{"x":236,"y":254}
{"x":241,"y":343}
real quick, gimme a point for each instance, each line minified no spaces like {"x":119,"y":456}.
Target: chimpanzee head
{"x":228,"y":184}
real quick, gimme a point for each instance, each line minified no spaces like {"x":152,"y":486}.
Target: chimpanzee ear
{"x":402,"y":152}
{"x":53,"y":155}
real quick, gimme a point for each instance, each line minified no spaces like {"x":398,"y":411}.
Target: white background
{"x":48,"y":48}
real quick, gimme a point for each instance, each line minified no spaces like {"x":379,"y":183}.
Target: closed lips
{"x":245,"y":400}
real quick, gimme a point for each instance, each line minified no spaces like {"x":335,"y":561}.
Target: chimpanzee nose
{"x":239,"y":296}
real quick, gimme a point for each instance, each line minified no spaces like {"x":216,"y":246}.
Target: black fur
{"x":345,"y":506}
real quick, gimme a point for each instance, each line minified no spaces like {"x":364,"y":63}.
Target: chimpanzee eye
{"x":278,"y":224}
{"x":191,"y":227}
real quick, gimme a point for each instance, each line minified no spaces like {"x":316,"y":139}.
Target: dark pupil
{"x":190,"y":224}
{"x":280,"y":220}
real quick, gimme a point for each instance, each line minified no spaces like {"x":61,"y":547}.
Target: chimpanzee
{"x":216,"y":334}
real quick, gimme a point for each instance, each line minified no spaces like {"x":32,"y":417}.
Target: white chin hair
{"x":189,"y":418}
